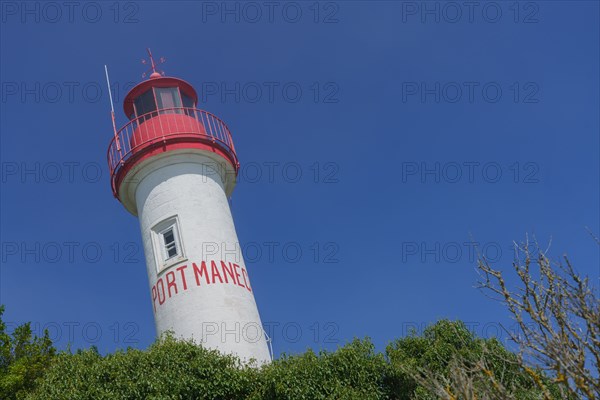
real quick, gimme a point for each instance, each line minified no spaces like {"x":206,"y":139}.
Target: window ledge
{"x":171,"y":263}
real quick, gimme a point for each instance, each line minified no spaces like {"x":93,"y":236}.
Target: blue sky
{"x":417,"y":128}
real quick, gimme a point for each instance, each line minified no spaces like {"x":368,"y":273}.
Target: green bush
{"x":354,"y":371}
{"x":23,"y":359}
{"x":447,"y":346}
{"x":175,"y":369}
{"x":169,"y":369}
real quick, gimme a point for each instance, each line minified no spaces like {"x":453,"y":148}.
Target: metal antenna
{"x":112,"y":109}
{"x":153,"y":64}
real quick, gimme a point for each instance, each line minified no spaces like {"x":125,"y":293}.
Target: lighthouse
{"x":174,"y":166}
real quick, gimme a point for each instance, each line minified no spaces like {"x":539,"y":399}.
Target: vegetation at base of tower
{"x":173,"y":369}
{"x":556,"y":309}
{"x":23,"y":359}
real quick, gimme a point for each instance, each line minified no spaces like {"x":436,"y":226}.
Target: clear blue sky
{"x":379,"y":108}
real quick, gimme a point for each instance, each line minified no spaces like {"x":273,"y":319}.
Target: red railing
{"x":144,"y":131}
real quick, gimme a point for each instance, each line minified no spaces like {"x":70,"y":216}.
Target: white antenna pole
{"x":112,"y":109}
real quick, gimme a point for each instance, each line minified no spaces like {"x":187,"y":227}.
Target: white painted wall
{"x":187,"y":184}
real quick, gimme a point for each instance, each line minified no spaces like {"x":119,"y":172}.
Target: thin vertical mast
{"x":112,"y":109}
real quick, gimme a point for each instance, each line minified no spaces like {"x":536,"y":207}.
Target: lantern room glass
{"x":168,"y":100}
{"x":163,"y":100}
{"x":145,"y":103}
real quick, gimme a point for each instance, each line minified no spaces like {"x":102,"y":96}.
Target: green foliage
{"x":169,"y":369}
{"x":23,"y":358}
{"x":175,"y":369}
{"x":354,"y":371}
{"x":447,"y":346}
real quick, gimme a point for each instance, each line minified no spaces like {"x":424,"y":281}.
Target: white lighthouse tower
{"x":174,"y":166}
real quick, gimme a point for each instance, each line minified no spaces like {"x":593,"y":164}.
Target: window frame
{"x":161,"y":252}
{"x":174,"y":92}
{"x":135,"y":108}
{"x":178,"y":98}
{"x":172,"y":245}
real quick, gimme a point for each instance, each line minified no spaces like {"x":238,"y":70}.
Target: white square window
{"x":168,"y":246}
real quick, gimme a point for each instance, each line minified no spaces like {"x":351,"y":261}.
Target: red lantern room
{"x":163,"y":116}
